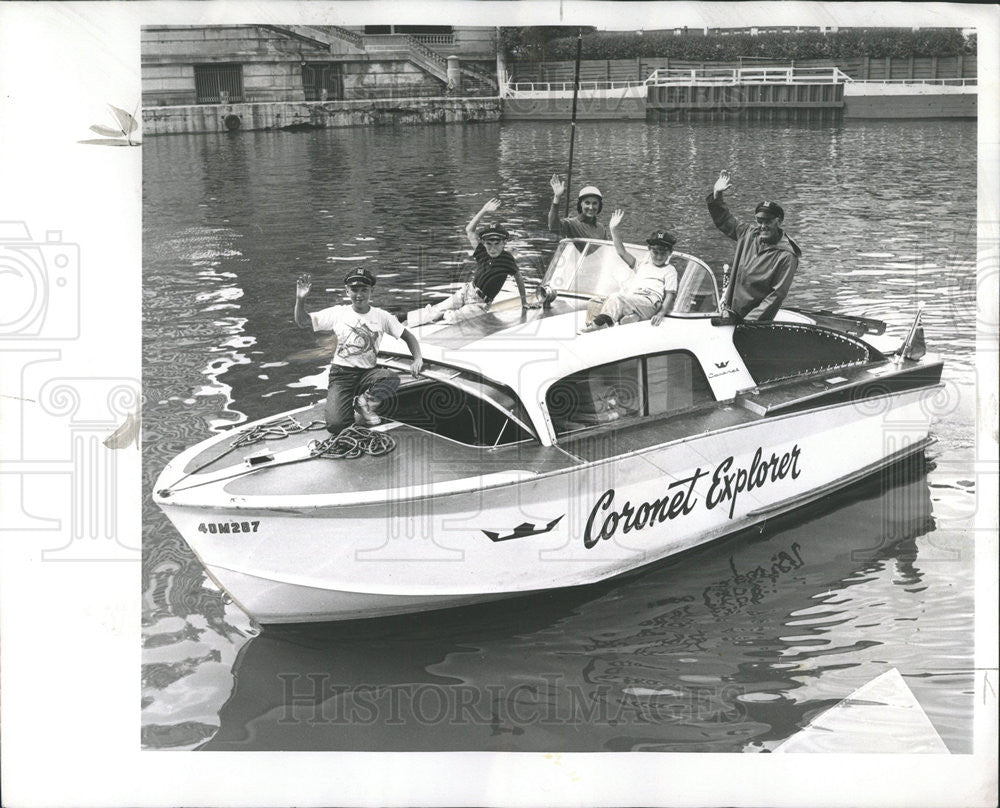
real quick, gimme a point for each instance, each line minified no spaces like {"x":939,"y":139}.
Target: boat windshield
{"x":459,"y":405}
{"x":593,"y":268}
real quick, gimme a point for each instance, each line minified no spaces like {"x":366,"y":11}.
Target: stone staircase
{"x":400,"y":46}
{"x":323,"y":36}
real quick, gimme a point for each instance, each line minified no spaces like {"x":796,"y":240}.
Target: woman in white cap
{"x":588,"y":206}
{"x":357,"y":387}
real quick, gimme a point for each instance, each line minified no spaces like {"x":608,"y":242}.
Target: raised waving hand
{"x":723,"y":183}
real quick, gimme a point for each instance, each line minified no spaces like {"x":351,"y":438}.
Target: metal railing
{"x":684,"y":77}
{"x":953,"y":82}
{"x":513,"y":88}
{"x":680,"y":77}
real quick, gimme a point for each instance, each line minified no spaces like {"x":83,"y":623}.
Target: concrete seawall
{"x":907,"y":100}
{"x":623,"y":103}
{"x":207,"y":118}
{"x":859,"y":101}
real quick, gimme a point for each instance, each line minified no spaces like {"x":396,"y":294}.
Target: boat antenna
{"x":572,"y":120}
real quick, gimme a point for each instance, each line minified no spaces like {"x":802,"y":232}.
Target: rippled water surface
{"x":726,"y":648}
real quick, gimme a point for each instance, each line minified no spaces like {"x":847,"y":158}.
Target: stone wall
{"x":272,"y":63}
{"x":220,"y":118}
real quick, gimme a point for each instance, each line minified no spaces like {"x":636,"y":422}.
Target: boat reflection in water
{"x":774,"y":621}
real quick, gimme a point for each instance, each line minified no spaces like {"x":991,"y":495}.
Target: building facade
{"x":188,"y":65}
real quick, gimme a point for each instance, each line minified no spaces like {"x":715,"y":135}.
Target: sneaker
{"x":364,"y":413}
{"x":547,"y":295}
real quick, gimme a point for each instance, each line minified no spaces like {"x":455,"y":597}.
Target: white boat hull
{"x":406,"y":553}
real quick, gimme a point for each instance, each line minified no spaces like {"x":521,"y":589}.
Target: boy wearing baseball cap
{"x":493,"y":265}
{"x":589,"y":203}
{"x":765,"y":261}
{"x":357,"y":387}
{"x":649,"y":294}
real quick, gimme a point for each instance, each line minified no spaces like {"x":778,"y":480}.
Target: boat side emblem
{"x":524,"y":529}
{"x":722,"y":364}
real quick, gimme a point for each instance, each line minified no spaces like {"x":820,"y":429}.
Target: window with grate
{"x":323,"y":81}
{"x":218,"y":84}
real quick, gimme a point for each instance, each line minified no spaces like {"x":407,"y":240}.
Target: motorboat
{"x":529,"y":456}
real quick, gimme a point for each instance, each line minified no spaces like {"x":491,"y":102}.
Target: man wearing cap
{"x":649,"y":294}
{"x":589,"y":203}
{"x":357,"y":387}
{"x":765,"y":261}
{"x":493,"y":265}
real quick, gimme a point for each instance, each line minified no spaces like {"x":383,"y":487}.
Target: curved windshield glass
{"x":594,"y":269}
{"x":696,"y":289}
{"x":457,"y":404}
{"x":590,"y":268}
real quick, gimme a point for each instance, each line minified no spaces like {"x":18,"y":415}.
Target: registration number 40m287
{"x":228,"y":527}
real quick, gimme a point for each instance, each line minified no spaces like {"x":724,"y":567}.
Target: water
{"x":724,"y":649}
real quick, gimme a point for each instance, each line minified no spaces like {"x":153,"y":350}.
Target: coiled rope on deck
{"x":352,"y":442}
{"x":274,"y":430}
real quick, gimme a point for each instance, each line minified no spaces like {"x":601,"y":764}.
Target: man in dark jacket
{"x":765,"y":261}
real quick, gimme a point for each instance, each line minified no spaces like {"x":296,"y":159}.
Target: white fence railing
{"x":956,"y":82}
{"x":514,"y":88}
{"x":681,"y":77}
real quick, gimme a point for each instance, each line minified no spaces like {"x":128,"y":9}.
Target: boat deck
{"x":422,"y":458}
{"x":418,"y":459}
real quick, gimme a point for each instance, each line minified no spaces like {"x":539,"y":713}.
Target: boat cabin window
{"x":459,"y":408}
{"x":596,"y":396}
{"x":654,"y":385}
{"x":773,"y":351}
{"x":675,"y":382}
{"x":594,"y":269}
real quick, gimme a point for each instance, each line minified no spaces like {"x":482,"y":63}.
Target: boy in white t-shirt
{"x":649,"y":294}
{"x":356,"y":384}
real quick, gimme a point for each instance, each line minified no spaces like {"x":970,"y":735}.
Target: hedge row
{"x":872,"y":42}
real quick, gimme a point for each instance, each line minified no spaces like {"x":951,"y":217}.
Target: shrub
{"x":560,"y":43}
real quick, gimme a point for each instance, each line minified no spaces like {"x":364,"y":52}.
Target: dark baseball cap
{"x":359,"y":275}
{"x":494,"y":230}
{"x":771,"y":209}
{"x":663,"y":238}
